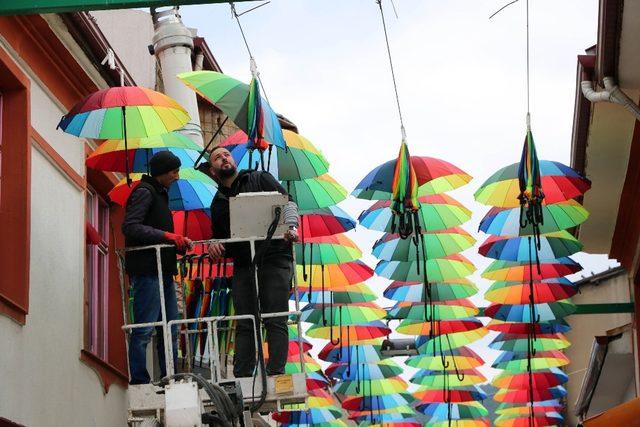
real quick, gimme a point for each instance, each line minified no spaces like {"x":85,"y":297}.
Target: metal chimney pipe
{"x":173,"y":45}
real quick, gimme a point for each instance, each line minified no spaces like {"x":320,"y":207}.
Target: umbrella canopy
{"x":457,"y":411}
{"x":360,"y":292}
{"x":361,"y":353}
{"x":437,"y":212}
{"x":524,"y":395}
{"x":456,"y":395}
{"x":439,"y":310}
{"x":335,"y":249}
{"x":233,"y":98}
{"x":311,"y":416}
{"x":315,"y":193}
{"x":342,"y":314}
{"x":557,"y":217}
{"x":553,"y":245}
{"x":438,"y":244}
{"x":483,"y":422}
{"x":300,"y":160}
{"x":365,"y":371}
{"x":111,"y":155}
{"x":506,"y":408}
{"x":333,"y":276}
{"x":293,"y":365}
{"x":520,"y":381}
{"x":513,"y":271}
{"x":521,"y":343}
{"x":325,"y":222}
{"x":517,"y":362}
{"x":440,"y":343}
{"x":441,"y":269}
{"x":384,"y":402}
{"x":463,"y":358}
{"x":522,"y":313}
{"x":194,"y":190}
{"x":440,"y":291}
{"x":437,"y":380}
{"x":538,"y":420}
{"x":547,"y":290}
{"x":350,"y":333}
{"x":372,"y":387}
{"x":194,"y":224}
{"x":316,"y":380}
{"x":559,"y":183}
{"x":433,"y":176}
{"x":524,"y":328}
{"x":418,"y":327}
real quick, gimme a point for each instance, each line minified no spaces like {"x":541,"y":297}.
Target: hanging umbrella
{"x":315,"y":193}
{"x":452,"y":267}
{"x":342,"y":314}
{"x":333,"y":276}
{"x":440,"y":291}
{"x":483,"y":422}
{"x":316,"y":380}
{"x":439,"y":310}
{"x":520,"y":381}
{"x":418,"y":327}
{"x":122,"y":113}
{"x":350,"y":333}
{"x":524,"y":395}
{"x":557,"y":217}
{"x":386,"y":368}
{"x":335,"y":249}
{"x":112,"y":156}
{"x":463,"y":358}
{"x":517,"y":362}
{"x":514,"y":271}
{"x":194,"y":190}
{"x":524,"y":328}
{"x":559,"y":183}
{"x":384,"y":416}
{"x":538,"y":420}
{"x":311,"y":416}
{"x":432,"y":176}
{"x":373,"y":387}
{"x":457,"y":395}
{"x":440,"y":343}
{"x":437,"y":212}
{"x":551,"y":246}
{"x":438,"y":244}
{"x":300,"y":160}
{"x":522,"y":343}
{"x":387,"y":401}
{"x":293,"y":365}
{"x":359,"y":292}
{"x":506,"y":408}
{"x":437,"y":380}
{"x":234,"y":99}
{"x":195,"y":224}
{"x":523,"y":313}
{"x":547,"y":290}
{"x":457,"y":411}
{"x":325,"y":222}
{"x":361,"y":353}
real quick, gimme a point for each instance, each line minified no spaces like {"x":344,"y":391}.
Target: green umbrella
{"x":359,"y":292}
{"x":438,"y":244}
{"x":518,"y":362}
{"x":436,"y":380}
{"x":440,"y":310}
{"x":520,"y":344}
{"x":440,"y":291}
{"x":452,"y":267}
{"x":315,"y":193}
{"x":342,"y":314}
{"x":324,"y":250}
{"x":463,"y":358}
{"x":373,"y":387}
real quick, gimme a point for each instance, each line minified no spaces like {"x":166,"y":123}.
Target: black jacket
{"x":248,"y":181}
{"x":147,"y":217}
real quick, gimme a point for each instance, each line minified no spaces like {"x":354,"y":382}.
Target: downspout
{"x":611,"y":93}
{"x":173,"y":45}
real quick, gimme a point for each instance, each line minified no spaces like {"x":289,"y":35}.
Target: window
{"x":97,"y":275}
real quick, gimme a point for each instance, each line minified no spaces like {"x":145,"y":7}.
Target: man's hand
{"x":182,"y":243}
{"x":291,"y":235}
{"x":216,"y":251}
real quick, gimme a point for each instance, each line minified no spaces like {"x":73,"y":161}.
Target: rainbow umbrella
{"x":384,"y":417}
{"x":454,"y":395}
{"x":350,"y":333}
{"x":365,"y":371}
{"x":557,"y":217}
{"x":452,"y":267}
{"x":438,"y":244}
{"x":195,"y":224}
{"x":550,"y":246}
{"x":333,"y":276}
{"x":374,"y":387}
{"x":524,"y":395}
{"x":547,"y":290}
{"x":300,"y":160}
{"x":361,"y":353}
{"x":507,"y":408}
{"x":523,"y":328}
{"x":457,"y":411}
{"x":517,"y":362}
{"x":359,"y":292}
{"x":437,"y":212}
{"x":315,"y":193}
{"x":524,"y":313}
{"x":316,"y":380}
{"x":520,"y":381}
{"x":387,"y":401}
{"x":440,"y":343}
{"x":514,"y":271}
{"x":342,"y":314}
{"x":241,"y":102}
{"x":522,"y":343}
{"x":438,"y":310}
{"x":437,"y":380}
{"x":293,"y":364}
{"x":122,"y":113}
{"x":432,"y":176}
{"x":336,"y":423}
{"x":325,"y":222}
{"x":559,"y":183}
{"x":463,"y":358}
{"x":461,"y":423}
{"x":194,"y":190}
{"x":537,"y":420}
{"x":312,"y":416}
{"x":440,"y":291}
{"x":418,"y":327}
{"x":335,"y":249}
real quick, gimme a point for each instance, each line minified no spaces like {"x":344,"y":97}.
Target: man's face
{"x":166,"y":179}
{"x":222,"y":163}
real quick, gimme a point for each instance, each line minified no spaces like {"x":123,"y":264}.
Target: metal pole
{"x":297,"y":306}
{"x":168,"y":341}
{"x":215,"y":350}
{"x":124,"y":309}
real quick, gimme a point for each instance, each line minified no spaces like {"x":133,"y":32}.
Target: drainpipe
{"x":172,"y":45}
{"x":611,"y":93}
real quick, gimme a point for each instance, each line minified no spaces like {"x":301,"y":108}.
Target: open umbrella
{"x":550,"y":246}
{"x":334,"y":249}
{"x":517,"y":362}
{"x":313,"y":416}
{"x":514,"y":271}
{"x":194,"y":224}
{"x":315,"y":193}
{"x":524,"y":328}
{"x":360,"y":292}
{"x":342,"y":314}
{"x":457,"y":411}
{"x":440,"y":343}
{"x":525,"y":313}
{"x":365,"y":371}
{"x":387,"y":401}
{"x":438,"y":244}
{"x":524,"y":395}
{"x":457,"y":395}
{"x":521,"y":343}
{"x":325,"y":222}
{"x":361,"y":353}
{"x":436,"y":379}
{"x":463,"y":358}
{"x":439,"y":310}
{"x":547,"y":290}
{"x":374,"y":387}
{"x":418,"y":327}
{"x":520,"y":381}
{"x":440,"y":291}
{"x":536,"y":420}
{"x":350,"y":333}
{"x":452,"y":267}
{"x":333,"y":276}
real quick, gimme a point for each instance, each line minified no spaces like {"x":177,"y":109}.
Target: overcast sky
{"x":461,"y":81}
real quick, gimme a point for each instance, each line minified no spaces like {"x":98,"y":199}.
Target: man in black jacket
{"x":274,"y":264}
{"x":148,"y":221}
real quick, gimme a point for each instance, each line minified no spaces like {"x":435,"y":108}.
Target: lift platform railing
{"x":211,"y":322}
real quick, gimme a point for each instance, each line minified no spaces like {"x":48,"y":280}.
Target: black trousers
{"x":274,"y":280}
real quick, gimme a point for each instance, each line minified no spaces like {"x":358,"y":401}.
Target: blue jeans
{"x":146,"y":308}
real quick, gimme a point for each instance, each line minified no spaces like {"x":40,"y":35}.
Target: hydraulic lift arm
{"x":31,"y":7}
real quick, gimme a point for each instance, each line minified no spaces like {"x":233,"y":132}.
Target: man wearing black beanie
{"x":148,"y":221}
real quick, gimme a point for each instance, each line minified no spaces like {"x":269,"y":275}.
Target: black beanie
{"x":163,"y":162}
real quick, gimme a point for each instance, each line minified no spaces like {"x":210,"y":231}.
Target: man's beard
{"x":227,"y":172}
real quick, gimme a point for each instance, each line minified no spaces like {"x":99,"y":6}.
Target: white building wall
{"x":43,"y":382}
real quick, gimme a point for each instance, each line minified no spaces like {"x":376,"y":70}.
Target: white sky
{"x":461,"y":80}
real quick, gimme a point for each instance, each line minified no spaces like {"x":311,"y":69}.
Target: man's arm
{"x":137,"y":207}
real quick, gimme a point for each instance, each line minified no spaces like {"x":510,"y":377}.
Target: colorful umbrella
{"x":333,"y":276}
{"x":463,"y":358}
{"x":440,"y":343}
{"x":438,"y":244}
{"x":452,"y":267}
{"x":457,"y":395}
{"x":387,"y":401}
{"x":440,"y":291}
{"x":437,"y":212}
{"x":439,"y":310}
{"x":365,"y":371}
{"x":524,"y":328}
{"x":461,"y":423}
{"x":517,"y":362}
{"x":335,"y":249}
{"x":522,"y":343}
{"x":342,"y":314}
{"x":350,"y":333}
{"x":418,"y":327}
{"x":234,"y":99}
{"x":316,"y":380}
{"x":551,"y":246}
{"x":457,"y":411}
{"x":507,"y":408}
{"x":293,"y":365}
{"x":311,"y":416}
{"x":315,"y":193}
{"x":514,"y":271}
{"x":359,"y":292}
{"x":325,"y":222}
{"x":524,"y":395}
{"x":559,"y":183}
{"x":521,"y":381}
{"x":557,"y":217}
{"x":361,"y":353}
{"x":433,"y":176}
{"x":374,"y":387}
{"x":195,"y":224}
{"x":547,"y":290}
{"x":437,"y":380}
{"x":194,"y":190}
{"x":524,"y":313}
{"x":300,"y":160}
{"x":538,"y":420}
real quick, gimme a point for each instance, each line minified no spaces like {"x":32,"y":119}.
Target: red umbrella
{"x":524,"y":395}
{"x":452,"y":396}
{"x":520,"y":381}
{"x":195,"y":224}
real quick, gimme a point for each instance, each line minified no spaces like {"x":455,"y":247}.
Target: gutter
{"x":611,"y":93}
